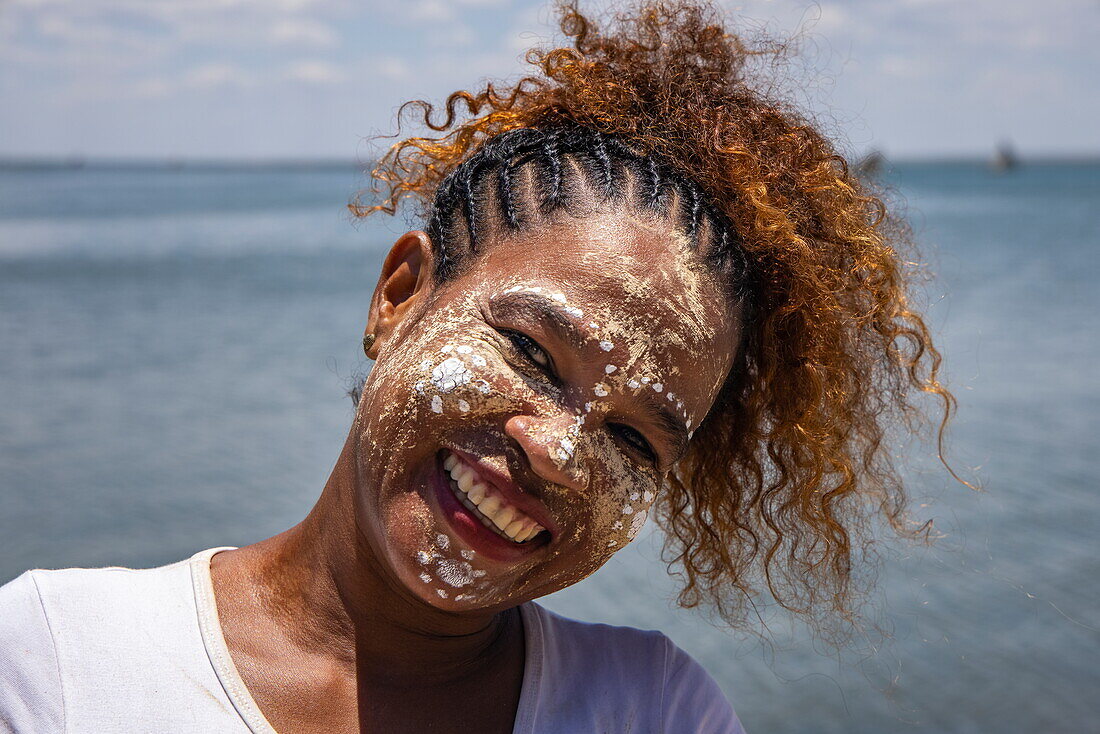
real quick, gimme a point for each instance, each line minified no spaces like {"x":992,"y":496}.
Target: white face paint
{"x":464,"y":379}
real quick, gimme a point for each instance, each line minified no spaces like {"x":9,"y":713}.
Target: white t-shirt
{"x":122,"y":650}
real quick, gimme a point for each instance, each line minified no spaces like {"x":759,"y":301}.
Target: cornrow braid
{"x":604,"y":165}
{"x":552,"y":160}
{"x":506,"y":195}
{"x":653,"y":185}
{"x":694,"y":207}
{"x":470,"y":204}
{"x":543,"y":151}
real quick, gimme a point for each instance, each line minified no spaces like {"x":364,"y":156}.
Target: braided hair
{"x":570,"y":165}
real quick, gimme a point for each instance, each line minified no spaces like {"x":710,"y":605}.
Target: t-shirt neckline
{"x":230,"y":678}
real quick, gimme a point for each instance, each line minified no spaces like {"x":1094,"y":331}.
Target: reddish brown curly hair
{"x":784,"y":475}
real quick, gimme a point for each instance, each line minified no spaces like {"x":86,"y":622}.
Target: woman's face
{"x":521,"y":418}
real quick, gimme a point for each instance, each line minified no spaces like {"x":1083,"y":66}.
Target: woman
{"x":641,"y":287}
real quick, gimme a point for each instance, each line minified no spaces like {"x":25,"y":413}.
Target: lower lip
{"x":469,"y":529}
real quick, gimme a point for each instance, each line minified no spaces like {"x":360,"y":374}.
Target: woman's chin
{"x":424,"y":554}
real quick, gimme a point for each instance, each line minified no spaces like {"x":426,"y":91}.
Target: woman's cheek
{"x":628,"y":492}
{"x":466,"y":379}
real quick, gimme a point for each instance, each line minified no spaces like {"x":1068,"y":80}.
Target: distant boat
{"x":1004,"y":159}
{"x":870,"y":164}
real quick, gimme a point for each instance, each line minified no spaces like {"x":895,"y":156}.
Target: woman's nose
{"x":552,"y":446}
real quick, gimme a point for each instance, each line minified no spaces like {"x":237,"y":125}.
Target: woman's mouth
{"x":485,"y":511}
{"x":487,"y":504}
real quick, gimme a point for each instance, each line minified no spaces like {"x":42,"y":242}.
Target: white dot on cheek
{"x":600,"y":390}
{"x":437,"y":404}
{"x":610,"y":368}
{"x":450,"y":374}
{"x":606,"y":345}
{"x":463,"y":406}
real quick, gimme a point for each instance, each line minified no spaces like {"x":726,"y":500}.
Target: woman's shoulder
{"x":80,"y":600}
{"x":595,"y":671}
{"x":88,"y":639}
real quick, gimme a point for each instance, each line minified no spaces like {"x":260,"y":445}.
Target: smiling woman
{"x":641,"y":288}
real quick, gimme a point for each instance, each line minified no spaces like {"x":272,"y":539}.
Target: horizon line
{"x":71,"y":162}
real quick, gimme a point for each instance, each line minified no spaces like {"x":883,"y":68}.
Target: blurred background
{"x":182,"y":296}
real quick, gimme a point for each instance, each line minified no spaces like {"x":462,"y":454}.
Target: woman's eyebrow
{"x":547,"y":311}
{"x":552,"y":312}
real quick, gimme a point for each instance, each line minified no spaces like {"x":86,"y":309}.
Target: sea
{"x":176,"y":343}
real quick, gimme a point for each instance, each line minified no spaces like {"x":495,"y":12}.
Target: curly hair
{"x":786,"y":474}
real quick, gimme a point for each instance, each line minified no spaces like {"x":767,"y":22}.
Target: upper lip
{"x":511,"y":492}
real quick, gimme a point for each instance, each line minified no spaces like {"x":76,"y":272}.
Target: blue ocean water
{"x":177,"y":343}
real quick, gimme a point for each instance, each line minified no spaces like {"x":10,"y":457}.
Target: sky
{"x":261,"y":79}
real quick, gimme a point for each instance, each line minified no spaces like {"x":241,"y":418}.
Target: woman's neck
{"x":325,"y":589}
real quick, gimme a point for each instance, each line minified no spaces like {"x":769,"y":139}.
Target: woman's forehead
{"x":640,"y":276}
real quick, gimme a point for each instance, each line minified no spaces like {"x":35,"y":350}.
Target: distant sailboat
{"x":1004,"y":159}
{"x":870,"y":164}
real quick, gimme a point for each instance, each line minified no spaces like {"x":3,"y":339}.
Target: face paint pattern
{"x":469,"y":380}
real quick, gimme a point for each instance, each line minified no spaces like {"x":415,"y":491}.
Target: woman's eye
{"x":530,"y":349}
{"x":634,"y":439}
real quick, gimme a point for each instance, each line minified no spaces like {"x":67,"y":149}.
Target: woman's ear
{"x":403,"y":282}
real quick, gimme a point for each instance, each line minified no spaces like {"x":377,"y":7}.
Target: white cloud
{"x":887,"y":60}
{"x":314,"y":71}
{"x":391,"y":68}
{"x":302,"y":31}
{"x":216,"y":74}
{"x":430,"y":11}
{"x":452,"y":35}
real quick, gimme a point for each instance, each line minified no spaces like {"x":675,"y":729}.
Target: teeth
{"x":477,"y":494}
{"x":504,"y":517}
{"x":489,"y":506}
{"x":493,"y":513}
